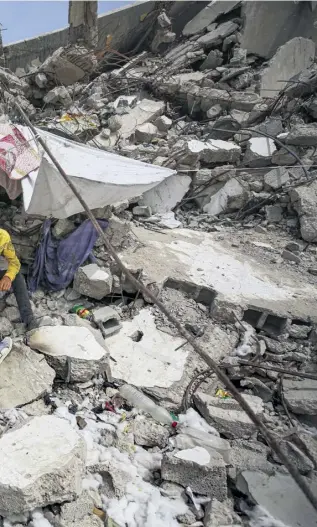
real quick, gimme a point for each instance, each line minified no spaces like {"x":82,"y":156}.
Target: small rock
{"x":260,"y":229}
{"x":142,"y":210}
{"x":274,"y":213}
{"x":11,"y":313}
{"x":293,"y":246}
{"x":288,"y":255}
{"x":299,"y":331}
{"x":93,"y":281}
{"x":312,"y":271}
{"x":146,"y":132}
{"x":62,"y":228}
{"x":149,"y":433}
{"x":163,"y":123}
{"x":6,"y":327}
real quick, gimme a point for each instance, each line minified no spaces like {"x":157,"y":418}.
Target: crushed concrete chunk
{"x":146,"y":132}
{"x":291,"y":58}
{"x":73,"y":352}
{"x":24,"y":376}
{"x":203,"y":471}
{"x":208,"y":15}
{"x":109,"y":318}
{"x":302,"y":135}
{"x":229,"y":198}
{"x":215,"y":37}
{"x":301,"y":395}
{"x":220,"y":514}
{"x":41,"y":463}
{"x":144,"y":112}
{"x":304,"y":200}
{"x":93,"y":281}
{"x":167,"y":194}
{"x":149,"y":433}
{"x":259,"y":152}
{"x":216,"y":151}
{"x":276,"y":178}
{"x":280,"y":496}
{"x":227,"y":416}
{"x":67,"y":66}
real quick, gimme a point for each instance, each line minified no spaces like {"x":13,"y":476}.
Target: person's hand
{"x":5,"y":284}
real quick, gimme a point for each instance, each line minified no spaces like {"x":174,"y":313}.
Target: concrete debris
{"x":80,"y":361}
{"x":93,"y":281}
{"x":24,"y":376}
{"x":296,"y":55}
{"x":203,"y":471}
{"x":301,"y":396}
{"x":227,"y":242}
{"x":42,"y":463}
{"x":227,"y":415}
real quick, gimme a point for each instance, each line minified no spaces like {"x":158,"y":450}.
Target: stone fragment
{"x":58,"y":95}
{"x":6,"y":327}
{"x":214,"y":59}
{"x":63,"y":228}
{"x":201,"y":470}
{"x":274,"y":213}
{"x":167,"y":194}
{"x":42,"y":463}
{"x":140,"y":210}
{"x":73,"y":352}
{"x":304,"y":201}
{"x":229,"y":198}
{"x":226,"y":414}
{"x":280,"y":496}
{"x":109,"y":318}
{"x":114,"y":123}
{"x":93,"y":281}
{"x":259,"y":152}
{"x":303,"y":464}
{"x":223,"y":128}
{"x":220,"y":514}
{"x":297,"y":331}
{"x":163,"y":123}
{"x":250,"y":455}
{"x":115,"y":477}
{"x":288,"y":255}
{"x":302,"y":135}
{"x":144,"y":112}
{"x":276,"y":178}
{"x":208,"y":15}
{"x":146,"y":132}
{"x":149,"y":433}
{"x":24,"y":376}
{"x":289,"y":60}
{"x":75,"y":511}
{"x":40,"y":80}
{"x":301,"y":395}
{"x":216,"y":36}
{"x":214,"y":111}
{"x":217,"y":151}
{"x":11,"y":313}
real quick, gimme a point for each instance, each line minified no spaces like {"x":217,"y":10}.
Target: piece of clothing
{"x":7,"y":250}
{"x":17,"y":157}
{"x":22,"y":297}
{"x":5,"y":348}
{"x":56,"y":261}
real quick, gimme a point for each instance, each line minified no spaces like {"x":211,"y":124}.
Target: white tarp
{"x":102,"y":178}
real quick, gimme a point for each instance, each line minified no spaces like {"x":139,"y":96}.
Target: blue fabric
{"x":56,"y":261}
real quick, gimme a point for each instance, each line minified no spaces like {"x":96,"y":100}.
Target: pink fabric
{"x":17,"y":157}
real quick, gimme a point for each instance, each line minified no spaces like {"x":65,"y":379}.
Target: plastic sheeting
{"x":101,"y":177}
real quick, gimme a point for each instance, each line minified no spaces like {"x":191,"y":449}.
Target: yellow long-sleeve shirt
{"x":7,"y":250}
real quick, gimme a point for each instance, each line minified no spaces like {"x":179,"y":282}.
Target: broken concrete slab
{"x":67,"y":66}
{"x":216,"y":151}
{"x":214,"y":37}
{"x":73,"y":352}
{"x":302,"y":135}
{"x":301,"y":395}
{"x":208,"y":15}
{"x":289,"y":60}
{"x":201,"y":470}
{"x":152,"y":360}
{"x":229,"y":198}
{"x":227,"y":416}
{"x":202,"y":260}
{"x":144,"y":112}
{"x":24,"y":376}
{"x":280,"y":496}
{"x":259,"y":152}
{"x":214,"y":59}
{"x":42,"y":463}
{"x":93,"y":281}
{"x":167,"y":194}
{"x":304,"y":201}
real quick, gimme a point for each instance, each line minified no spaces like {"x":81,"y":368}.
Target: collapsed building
{"x":195,"y":149}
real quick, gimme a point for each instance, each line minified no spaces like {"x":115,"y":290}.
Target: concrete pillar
{"x":83,"y":23}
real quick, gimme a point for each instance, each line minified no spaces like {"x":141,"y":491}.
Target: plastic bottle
{"x":190,"y":437}
{"x":146,"y":404}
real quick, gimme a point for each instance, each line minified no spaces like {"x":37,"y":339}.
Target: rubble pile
{"x":227,"y":241}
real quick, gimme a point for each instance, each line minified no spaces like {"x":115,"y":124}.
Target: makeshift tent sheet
{"x":101,"y":177}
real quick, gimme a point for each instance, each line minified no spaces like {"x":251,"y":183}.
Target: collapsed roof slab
{"x":199,"y":258}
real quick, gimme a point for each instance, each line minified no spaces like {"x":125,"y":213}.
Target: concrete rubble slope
{"x":189,"y":130}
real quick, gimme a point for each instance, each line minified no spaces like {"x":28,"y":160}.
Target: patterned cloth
{"x":17,"y":157}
